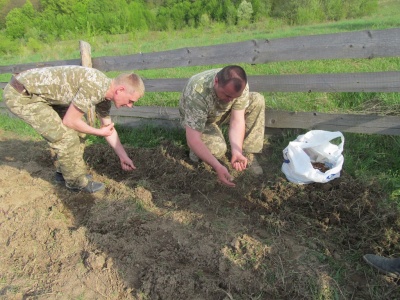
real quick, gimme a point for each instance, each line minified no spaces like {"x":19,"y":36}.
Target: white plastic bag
{"x":313,"y":147}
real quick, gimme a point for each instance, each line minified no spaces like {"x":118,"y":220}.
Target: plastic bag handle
{"x":308,"y":143}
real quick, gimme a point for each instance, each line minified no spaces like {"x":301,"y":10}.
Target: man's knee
{"x":257,"y":100}
{"x":70,"y":159}
{"x":214,"y":140}
{"x":68,"y":143}
{"x":216,"y":145}
{"x":218,"y":150}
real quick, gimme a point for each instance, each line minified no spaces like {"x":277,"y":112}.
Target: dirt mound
{"x":169,"y":230}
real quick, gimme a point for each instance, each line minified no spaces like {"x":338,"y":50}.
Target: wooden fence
{"x":366,"y":44}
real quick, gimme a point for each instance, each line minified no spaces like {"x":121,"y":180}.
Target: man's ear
{"x":119,"y":88}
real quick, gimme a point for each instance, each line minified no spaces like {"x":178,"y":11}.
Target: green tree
{"x":212,"y":9}
{"x":194,"y":14}
{"x":245,"y":11}
{"x":285,"y":9}
{"x":58,"y":6}
{"x":163,"y":20}
{"x":304,"y":11}
{"x":178,"y":14}
{"x":334,"y":9}
{"x":358,"y":8}
{"x":261,"y":9}
{"x":18,"y":20}
{"x":140,"y":17}
{"x":8,"y":45}
{"x":79,"y":15}
{"x":310,"y":12}
{"x":204,"y":21}
{"x":230,"y":13}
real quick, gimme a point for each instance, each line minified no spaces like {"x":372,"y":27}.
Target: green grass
{"x":372,"y":158}
{"x":375,"y":157}
{"x":16,"y":125}
{"x":388,"y":16}
{"x":146,"y":136}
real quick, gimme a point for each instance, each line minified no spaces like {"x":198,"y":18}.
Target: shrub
{"x":34,"y":45}
{"x":245,"y":11}
{"x":8,"y":45}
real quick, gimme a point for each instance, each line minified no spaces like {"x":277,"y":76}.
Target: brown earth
{"x":168,"y":230}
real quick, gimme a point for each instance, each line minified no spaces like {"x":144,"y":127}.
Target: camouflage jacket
{"x":63,"y":85}
{"x":199,"y":103}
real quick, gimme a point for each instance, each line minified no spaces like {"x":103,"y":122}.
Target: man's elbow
{"x":67,"y":123}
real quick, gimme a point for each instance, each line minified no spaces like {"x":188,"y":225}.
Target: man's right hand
{"x":106,"y":130}
{"x":224,"y":176}
{"x":195,"y":143}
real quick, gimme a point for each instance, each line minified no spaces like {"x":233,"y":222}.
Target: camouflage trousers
{"x":65,"y":142}
{"x":253,"y":142}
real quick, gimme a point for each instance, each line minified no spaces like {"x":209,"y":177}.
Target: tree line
{"x":47,"y":20}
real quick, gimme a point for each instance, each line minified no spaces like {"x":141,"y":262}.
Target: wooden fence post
{"x":86,"y":61}
{"x":86,"y":54}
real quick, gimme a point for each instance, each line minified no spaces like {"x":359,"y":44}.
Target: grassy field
{"x":388,"y":16}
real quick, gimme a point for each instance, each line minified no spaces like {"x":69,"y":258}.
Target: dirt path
{"x":170,"y":231}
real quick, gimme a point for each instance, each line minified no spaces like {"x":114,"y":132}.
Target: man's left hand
{"x":239,"y":162}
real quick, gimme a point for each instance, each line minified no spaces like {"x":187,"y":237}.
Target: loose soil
{"x":169,"y":230}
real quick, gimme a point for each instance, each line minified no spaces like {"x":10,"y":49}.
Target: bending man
{"x":216,"y":97}
{"x":38,"y":96}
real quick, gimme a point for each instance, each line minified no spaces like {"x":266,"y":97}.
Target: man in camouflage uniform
{"x":35,"y":95}
{"x":216,"y":97}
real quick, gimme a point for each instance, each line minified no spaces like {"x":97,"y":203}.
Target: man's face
{"x":122,"y":98}
{"x":227,"y":93}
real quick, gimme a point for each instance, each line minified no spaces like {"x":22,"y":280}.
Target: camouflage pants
{"x":65,"y":142}
{"x":254,"y":129}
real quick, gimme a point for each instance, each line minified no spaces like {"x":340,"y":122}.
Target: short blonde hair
{"x":132,"y":82}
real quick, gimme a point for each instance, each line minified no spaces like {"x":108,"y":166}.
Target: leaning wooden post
{"x":86,"y":61}
{"x":86,"y":54}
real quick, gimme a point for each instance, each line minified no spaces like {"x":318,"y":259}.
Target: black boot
{"x":59,"y":178}
{"x":388,"y":266}
{"x":91,"y":187}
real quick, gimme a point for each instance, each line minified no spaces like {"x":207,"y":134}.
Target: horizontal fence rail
{"x":358,"y":44}
{"x":346,"y":82}
{"x":168,"y":117}
{"x":369,"y":124}
{"x":367,"y":44}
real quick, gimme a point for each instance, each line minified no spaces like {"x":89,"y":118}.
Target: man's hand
{"x":224,"y":176}
{"x":107,"y":130}
{"x":127,"y":164}
{"x":239,"y":161}
{"x":195,"y":143}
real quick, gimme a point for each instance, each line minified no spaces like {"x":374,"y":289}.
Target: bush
{"x":359,"y":8}
{"x":311,"y":13}
{"x":8,"y":45}
{"x":205,"y":21}
{"x":34,"y":45}
{"x":334,"y":10}
{"x":19,"y":19}
{"x":245,"y":11}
